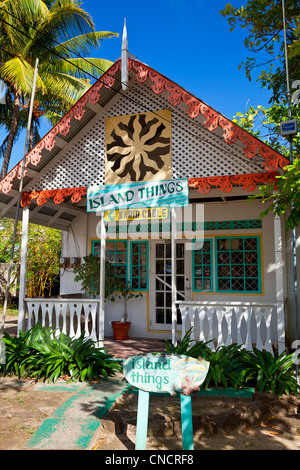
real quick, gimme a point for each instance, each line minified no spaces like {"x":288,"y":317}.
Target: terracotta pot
{"x":120,"y":329}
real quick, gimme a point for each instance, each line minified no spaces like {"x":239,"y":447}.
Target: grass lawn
{"x":9,"y":310}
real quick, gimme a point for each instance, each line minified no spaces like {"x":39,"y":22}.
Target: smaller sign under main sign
{"x":169,"y":193}
{"x":165,"y":373}
{"x":137,"y":214}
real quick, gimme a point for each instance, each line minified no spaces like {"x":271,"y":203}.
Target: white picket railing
{"x":245,"y":323}
{"x":69,"y":316}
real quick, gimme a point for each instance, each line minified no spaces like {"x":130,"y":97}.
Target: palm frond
{"x":81,"y":45}
{"x":79,"y":68}
{"x":20,"y":73}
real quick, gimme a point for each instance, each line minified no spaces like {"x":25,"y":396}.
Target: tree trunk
{"x":11,"y":135}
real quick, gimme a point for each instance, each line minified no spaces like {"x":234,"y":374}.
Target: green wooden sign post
{"x":160,"y":373}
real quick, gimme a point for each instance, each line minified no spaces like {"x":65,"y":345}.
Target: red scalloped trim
{"x":63,"y":127}
{"x":231,"y":131}
{"x":58,"y":196}
{"x":248,"y":182}
{"x":213,"y":119}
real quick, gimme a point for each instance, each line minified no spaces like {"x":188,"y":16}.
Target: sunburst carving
{"x":138,"y":148}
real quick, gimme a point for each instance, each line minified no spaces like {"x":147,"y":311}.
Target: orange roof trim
{"x":231,"y":131}
{"x":202,"y":185}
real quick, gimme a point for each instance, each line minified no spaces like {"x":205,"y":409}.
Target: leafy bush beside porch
{"x":232,"y":366}
{"x":37,"y":353}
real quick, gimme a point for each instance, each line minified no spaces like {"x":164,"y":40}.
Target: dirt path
{"x":264,"y":422}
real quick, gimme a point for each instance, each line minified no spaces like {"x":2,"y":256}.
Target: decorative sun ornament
{"x":138,"y":147}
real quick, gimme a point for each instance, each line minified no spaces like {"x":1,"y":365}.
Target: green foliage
{"x":89,"y":276}
{"x":231,"y":366}
{"x":265,"y":124}
{"x":262,"y":21}
{"x":43,"y":252}
{"x":287,"y":198}
{"x":61,"y":35}
{"x":199,"y":349}
{"x":269,"y":373}
{"x":88,"y":273}
{"x":39,"y":354}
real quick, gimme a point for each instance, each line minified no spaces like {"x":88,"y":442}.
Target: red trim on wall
{"x":231,"y":131}
{"x":58,"y":196}
{"x":248,"y":182}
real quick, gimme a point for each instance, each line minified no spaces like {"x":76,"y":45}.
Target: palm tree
{"x":60,"y":34}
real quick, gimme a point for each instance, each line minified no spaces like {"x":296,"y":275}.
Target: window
{"x":139,"y":265}
{"x":127,"y":257}
{"x":238,"y":264}
{"x":116,"y":255}
{"x":202,"y":267}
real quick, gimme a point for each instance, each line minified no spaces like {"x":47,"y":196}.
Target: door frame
{"x":187,"y":278}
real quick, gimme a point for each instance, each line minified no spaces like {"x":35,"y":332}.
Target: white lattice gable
{"x":195,"y":151}
{"x":204,"y":144}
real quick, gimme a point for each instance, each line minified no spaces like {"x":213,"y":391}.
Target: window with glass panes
{"x":202,"y":266}
{"x":139,"y":265}
{"x":238,"y":266}
{"x":125,"y":257}
{"x":116,"y":255}
{"x":163,"y":270}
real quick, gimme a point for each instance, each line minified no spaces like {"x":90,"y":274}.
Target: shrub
{"x":223,"y":369}
{"x":232,"y":366}
{"x":269,"y":373}
{"x":37,"y":353}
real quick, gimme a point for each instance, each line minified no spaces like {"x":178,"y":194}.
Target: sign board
{"x":169,"y":373}
{"x":289,"y":127}
{"x":170,"y":193}
{"x":137,"y":214}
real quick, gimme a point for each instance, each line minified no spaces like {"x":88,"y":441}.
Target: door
{"x":160,"y":301}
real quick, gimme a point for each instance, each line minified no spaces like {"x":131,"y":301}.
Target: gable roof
{"x":218,"y":147}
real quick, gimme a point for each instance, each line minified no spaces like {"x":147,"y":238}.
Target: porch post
{"x":279,"y":283}
{"x":102,"y":284}
{"x":173,"y":283}
{"x":22,"y":290}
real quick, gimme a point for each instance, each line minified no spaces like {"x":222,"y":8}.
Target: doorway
{"x":160,"y":303}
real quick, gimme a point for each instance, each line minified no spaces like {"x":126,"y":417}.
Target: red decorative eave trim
{"x":213,"y":119}
{"x":231,"y":131}
{"x":248,"y":182}
{"x":58,"y":196}
{"x":63,"y":127}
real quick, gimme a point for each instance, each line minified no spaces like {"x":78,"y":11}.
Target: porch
{"x":222,"y":323}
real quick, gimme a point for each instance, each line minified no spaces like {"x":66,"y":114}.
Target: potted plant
{"x":89,"y":275}
{"x":125,"y":292}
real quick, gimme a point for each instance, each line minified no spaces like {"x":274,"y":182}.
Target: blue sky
{"x":186,"y":40}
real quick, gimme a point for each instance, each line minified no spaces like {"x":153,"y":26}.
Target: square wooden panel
{"x":138,"y":147}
